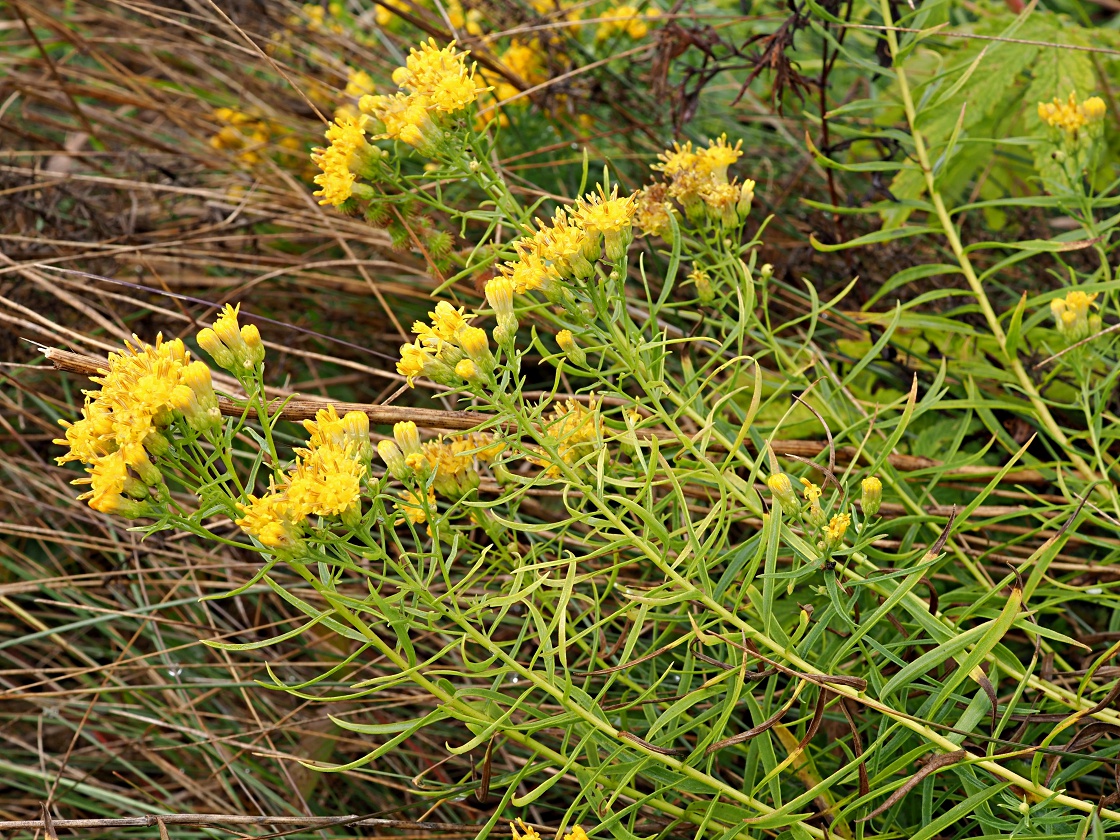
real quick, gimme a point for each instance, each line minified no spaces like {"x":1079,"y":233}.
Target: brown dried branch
{"x":304,"y":407}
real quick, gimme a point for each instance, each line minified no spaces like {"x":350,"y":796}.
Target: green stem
{"x":1012,"y":360}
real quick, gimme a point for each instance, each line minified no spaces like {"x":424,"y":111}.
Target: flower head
{"x":349,"y":431}
{"x":326,"y":481}
{"x":1071,"y":116}
{"x":440,"y":76}
{"x":271,"y":520}
{"x":339,"y":160}
{"x":610,"y":216}
{"x":703,"y":283}
{"x":521,"y":831}
{"x":782,"y":489}
{"x":405,"y":117}
{"x":447,"y":322}
{"x":652,"y":215}
{"x":717,"y":157}
{"x":837,"y":527}
{"x":1073,"y":317}
{"x":678,"y":159}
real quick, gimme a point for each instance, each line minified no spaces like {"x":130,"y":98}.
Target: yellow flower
{"x":577,"y":833}
{"x":813,"y":492}
{"x":573,"y":351}
{"x":837,"y":527}
{"x":523,"y":62}
{"x":624,"y":19}
{"x":653,"y":211}
{"x":872,"y":495}
{"x":329,"y":430}
{"x":474,"y":343}
{"x":89,"y":438}
{"x":522,"y":831}
{"x":782,"y":489}
{"x":447,"y":322}
{"x":271,"y":520}
{"x":414,"y":361}
{"x":107,"y":477}
{"x":703,"y":282}
{"x":678,"y":159}
{"x":339,"y":159}
{"x":413,"y":509}
{"x":195,"y":399}
{"x":440,"y":76}
{"x":529,"y":274}
{"x":405,"y":117}
{"x":360,"y":83}
{"x":1073,"y":317}
{"x":326,"y":481}
{"x":718,"y":156}
{"x":722,"y":202}
{"x":1070,"y":116}
{"x":499,"y":294}
{"x":611,"y":217}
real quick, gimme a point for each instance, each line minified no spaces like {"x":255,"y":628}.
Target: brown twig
{"x":302,"y":408}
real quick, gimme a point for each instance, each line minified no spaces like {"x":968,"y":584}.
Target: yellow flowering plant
{"x":607,"y":567}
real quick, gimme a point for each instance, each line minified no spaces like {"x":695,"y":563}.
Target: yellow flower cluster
{"x":837,"y":527}
{"x":595,"y":226}
{"x":1074,"y":317}
{"x":325,"y":481}
{"x":625,"y":19}
{"x":572,"y":429}
{"x":521,"y":831}
{"x":346,"y":156}
{"x":434,"y":83}
{"x":832,"y":530}
{"x":1071,"y":116}
{"x":697,"y":179}
{"x":143,"y":391}
{"x":236,"y":348}
{"x":523,"y":61}
{"x":450,"y":464}
{"x":316,"y":18}
{"x":249,"y":136}
{"x":447,"y":351}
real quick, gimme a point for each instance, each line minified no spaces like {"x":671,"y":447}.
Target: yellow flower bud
{"x":200,"y":406}
{"x":208,"y":340}
{"x":475,"y":344}
{"x":408,"y":438}
{"x":872,"y":496}
{"x":782,"y":489}
{"x":573,"y":351}
{"x":746,"y":196}
{"x":469,"y":371}
{"x":252,"y":338}
{"x":394,"y":460}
